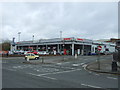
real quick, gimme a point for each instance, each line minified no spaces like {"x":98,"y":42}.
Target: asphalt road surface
{"x":70,"y":74}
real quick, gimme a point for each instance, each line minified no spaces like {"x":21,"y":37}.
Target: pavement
{"x":105,"y":65}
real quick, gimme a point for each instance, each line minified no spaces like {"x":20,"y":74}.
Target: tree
{"x":5,"y":45}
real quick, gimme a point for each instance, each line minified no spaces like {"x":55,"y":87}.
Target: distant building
{"x":113,"y":40}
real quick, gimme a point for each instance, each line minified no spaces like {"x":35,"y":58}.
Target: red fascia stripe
{"x":67,"y":38}
{"x":80,"y":39}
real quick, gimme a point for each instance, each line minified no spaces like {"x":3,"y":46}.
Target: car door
{"x":29,"y":55}
{"x":32,"y":56}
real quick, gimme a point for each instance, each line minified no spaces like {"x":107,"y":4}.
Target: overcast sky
{"x":88,"y":20}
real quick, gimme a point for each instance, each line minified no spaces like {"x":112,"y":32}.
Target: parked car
{"x":31,"y":56}
{"x":93,"y":53}
{"x":43,"y":53}
{"x":19,"y":52}
{"x":34,"y":52}
{"x":11,"y":52}
{"x":25,"y":52}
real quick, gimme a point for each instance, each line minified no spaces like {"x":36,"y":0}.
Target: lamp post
{"x":61,"y":34}
{"x":61,"y":41}
{"x":33,"y":38}
{"x":19,"y":36}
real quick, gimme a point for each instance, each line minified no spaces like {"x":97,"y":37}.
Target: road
{"x":70,"y":74}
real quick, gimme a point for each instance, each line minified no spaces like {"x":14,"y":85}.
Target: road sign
{"x":99,"y":48}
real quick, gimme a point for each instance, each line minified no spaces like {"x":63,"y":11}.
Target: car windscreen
{"x":28,"y":55}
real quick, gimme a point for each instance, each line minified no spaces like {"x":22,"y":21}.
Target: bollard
{"x":42,"y":60}
{"x":75,"y":56}
{"x":114,"y":66}
{"x":27,"y":59}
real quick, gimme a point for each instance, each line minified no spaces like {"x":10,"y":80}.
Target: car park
{"x":31,"y":56}
{"x":43,"y":53}
{"x":34,"y":52}
{"x":18,"y":52}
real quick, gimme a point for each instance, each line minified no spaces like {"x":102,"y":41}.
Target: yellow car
{"x":31,"y":56}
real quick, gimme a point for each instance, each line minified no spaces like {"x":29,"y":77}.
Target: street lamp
{"x":61,"y":34}
{"x":33,"y":38}
{"x":19,"y":36}
{"x":61,"y":41}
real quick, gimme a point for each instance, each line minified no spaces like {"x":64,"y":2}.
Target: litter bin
{"x":114,"y":66}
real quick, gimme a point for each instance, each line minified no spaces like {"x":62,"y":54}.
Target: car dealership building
{"x":70,"y":46}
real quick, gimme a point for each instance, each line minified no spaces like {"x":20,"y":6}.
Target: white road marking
{"x":112,"y":78}
{"x":90,"y":72}
{"x":66,"y":62}
{"x":75,"y":65}
{"x":59,"y":72}
{"x":68,"y":68}
{"x":49,"y":77}
{"x":91,"y":86}
{"x":85,"y":59}
{"x":9,"y":69}
{"x":59,"y":63}
{"x":32,"y":74}
{"x":96,"y":74}
{"x":64,"y":67}
{"x":37,"y":70}
{"x":82,"y":63}
{"x":84,"y":66}
{"x":42,"y":76}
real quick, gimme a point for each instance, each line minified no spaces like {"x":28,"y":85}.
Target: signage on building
{"x":18,"y":42}
{"x":67,"y":38}
{"x":79,"y":39}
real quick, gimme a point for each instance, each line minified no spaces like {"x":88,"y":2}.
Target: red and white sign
{"x":99,"y":48}
{"x":18,"y":42}
{"x":79,"y":39}
{"x":67,"y":38}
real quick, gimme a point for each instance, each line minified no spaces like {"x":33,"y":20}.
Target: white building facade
{"x":68,"y":46}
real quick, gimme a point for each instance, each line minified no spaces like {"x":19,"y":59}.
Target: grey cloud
{"x":46,"y":20}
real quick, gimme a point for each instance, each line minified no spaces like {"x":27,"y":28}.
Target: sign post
{"x":98,"y":59}
{"x":27,"y":58}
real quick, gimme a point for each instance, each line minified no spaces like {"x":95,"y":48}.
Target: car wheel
{"x":36,"y":58}
{"x":25,"y":58}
